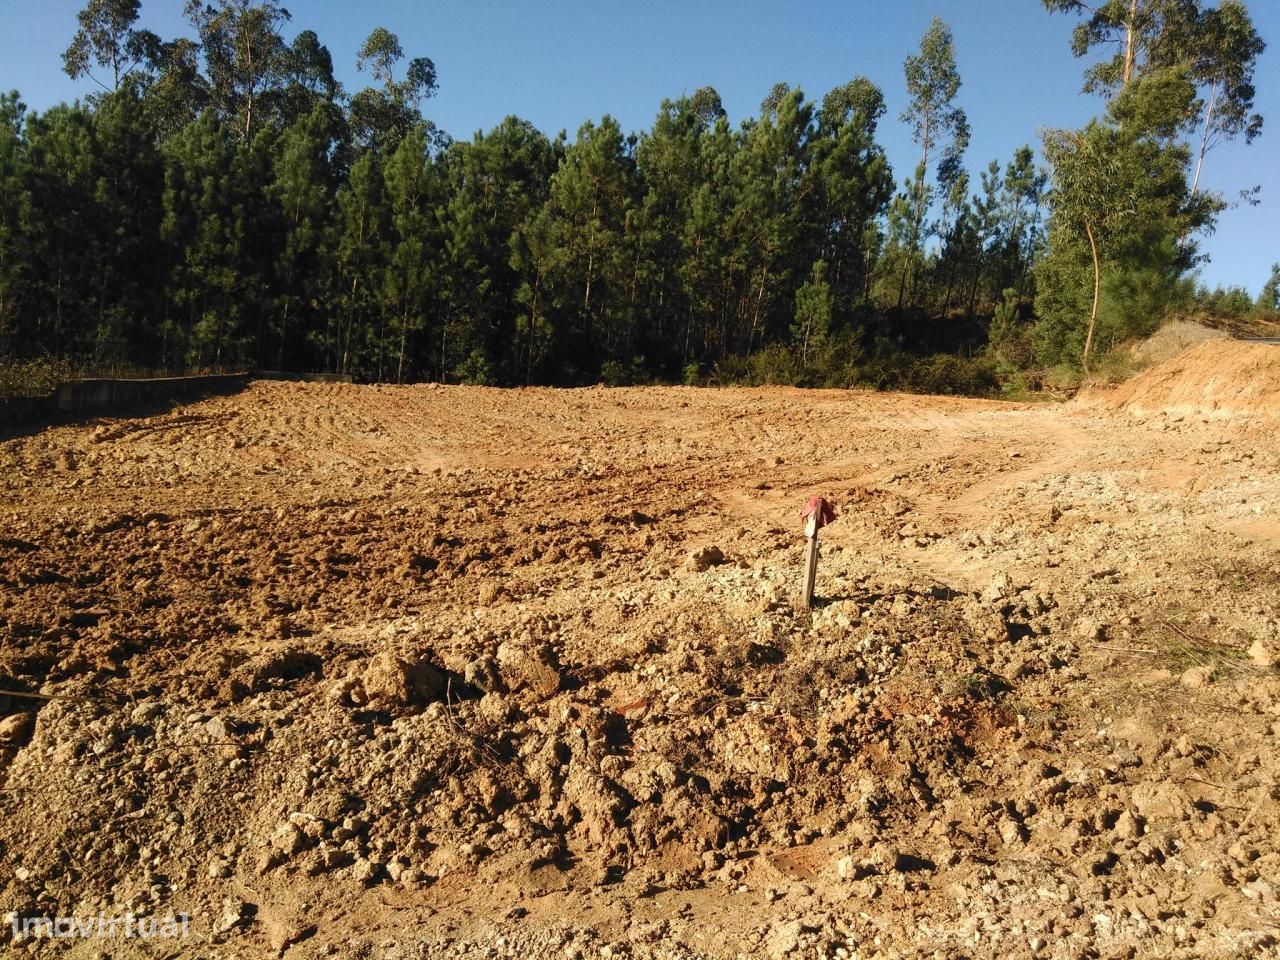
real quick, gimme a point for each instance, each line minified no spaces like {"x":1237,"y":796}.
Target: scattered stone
{"x":16,"y":728}
{"x":1128,"y":827}
{"x":219,"y":869}
{"x":787,"y":938}
{"x":219,"y":729}
{"x":289,"y":839}
{"x":1012,"y":832}
{"x":1090,"y":630}
{"x":1264,"y":654}
{"x":705,"y":558}
{"x":366,"y":871}
{"x":528,"y":667}
{"x":998,"y":589}
{"x":392,"y":681}
{"x":1156,"y":799}
{"x":1197,"y":678}
{"x":235,"y":913}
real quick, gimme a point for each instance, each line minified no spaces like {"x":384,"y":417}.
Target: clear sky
{"x":559,"y":62}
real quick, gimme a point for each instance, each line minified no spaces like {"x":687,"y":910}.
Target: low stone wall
{"x":88,"y":396}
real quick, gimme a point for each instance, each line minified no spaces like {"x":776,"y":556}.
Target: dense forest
{"x":221,"y":201}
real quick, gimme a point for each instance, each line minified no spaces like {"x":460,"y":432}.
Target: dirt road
{"x":434,"y":671}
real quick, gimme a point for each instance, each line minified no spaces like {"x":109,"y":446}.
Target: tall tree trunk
{"x":404,"y":331}
{"x":1204,"y":140}
{"x":1097,"y":291}
{"x":1130,"y":43}
{"x":284,"y":332}
{"x":755,"y":320}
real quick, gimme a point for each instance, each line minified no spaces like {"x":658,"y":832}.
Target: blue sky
{"x":559,"y":62}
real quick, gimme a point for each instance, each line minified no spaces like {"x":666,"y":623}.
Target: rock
{"x":235,"y":913}
{"x":1128,"y":827}
{"x":1157,"y":799}
{"x":392,"y":681}
{"x":528,"y":667}
{"x":704,"y":558}
{"x":283,"y":935}
{"x":483,"y":674}
{"x":1197,"y":678}
{"x":16,"y":728}
{"x":1011,"y":831}
{"x":366,"y":871}
{"x":396,"y":868}
{"x":1263,"y":654}
{"x":1089,"y":629}
{"x":786,"y":939}
{"x":219,"y":869}
{"x":998,"y":589}
{"x":288,"y":839}
{"x":219,"y":729}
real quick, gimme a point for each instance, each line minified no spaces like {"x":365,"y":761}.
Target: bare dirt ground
{"x":389,"y":672}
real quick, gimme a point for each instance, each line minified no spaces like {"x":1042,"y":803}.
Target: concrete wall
{"x":302,"y":377}
{"x":24,"y":409}
{"x":88,"y":396}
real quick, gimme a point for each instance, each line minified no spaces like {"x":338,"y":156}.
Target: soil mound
{"x":1216,"y":378}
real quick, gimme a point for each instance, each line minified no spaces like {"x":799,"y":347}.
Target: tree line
{"x":223,"y":201}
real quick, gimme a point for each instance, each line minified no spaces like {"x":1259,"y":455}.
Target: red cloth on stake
{"x":825,"y":511}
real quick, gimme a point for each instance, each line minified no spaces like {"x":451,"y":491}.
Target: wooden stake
{"x":811,"y":559}
{"x":817,"y":513}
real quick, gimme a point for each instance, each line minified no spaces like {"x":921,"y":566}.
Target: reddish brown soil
{"x":413,"y":672}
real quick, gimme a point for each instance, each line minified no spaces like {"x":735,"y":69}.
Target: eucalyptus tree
{"x":1124,"y":189}
{"x":384,"y":115}
{"x":245,"y":56}
{"x":1224,"y":55}
{"x":177,"y":92}
{"x":1092,"y":191}
{"x":937,"y":125}
{"x":1214,"y":50}
{"x":108,"y":39}
{"x":307,"y":81}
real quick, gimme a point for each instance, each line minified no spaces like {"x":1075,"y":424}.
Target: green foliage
{"x":38,"y":377}
{"x":475,"y":370}
{"x":1228,"y":301}
{"x":812,"y":323}
{"x":220,"y":200}
{"x":1269,"y":296}
{"x":1177,"y":71}
{"x":383,"y":116}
